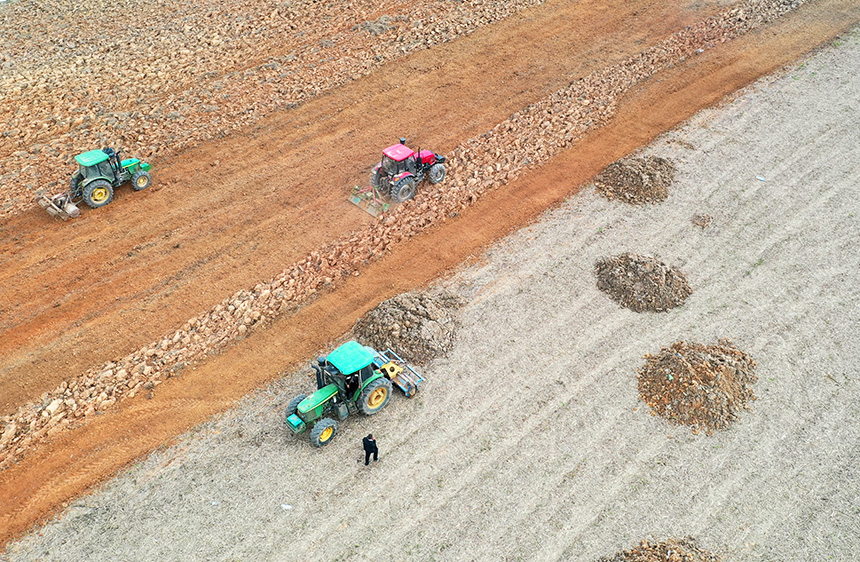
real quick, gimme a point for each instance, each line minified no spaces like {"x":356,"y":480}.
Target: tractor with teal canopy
{"x":352,"y":379}
{"x":98,"y":173}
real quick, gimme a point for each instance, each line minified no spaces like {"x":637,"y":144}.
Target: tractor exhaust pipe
{"x":319,"y":371}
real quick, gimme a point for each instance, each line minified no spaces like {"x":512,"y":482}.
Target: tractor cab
{"x":348,"y":367}
{"x":97,"y":164}
{"x":398,"y":158}
{"x":106,"y":164}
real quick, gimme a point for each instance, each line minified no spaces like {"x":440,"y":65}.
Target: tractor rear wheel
{"x":375,"y":396}
{"x":140,"y":180}
{"x":293,"y":405}
{"x":98,"y":193}
{"x":436,"y":173}
{"x":403,"y":190}
{"x":323,"y":432}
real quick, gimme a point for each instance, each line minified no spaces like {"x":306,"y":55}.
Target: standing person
{"x":370,"y":448}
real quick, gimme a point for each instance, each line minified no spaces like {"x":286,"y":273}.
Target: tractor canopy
{"x":398,"y":152}
{"x":91,"y":158}
{"x":95,"y":164}
{"x":351,"y":357}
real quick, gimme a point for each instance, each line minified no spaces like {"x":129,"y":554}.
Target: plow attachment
{"x":399,"y":372}
{"x":369,"y":199}
{"x":59,"y":206}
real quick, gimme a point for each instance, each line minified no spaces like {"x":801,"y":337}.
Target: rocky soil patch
{"x":418,"y":326}
{"x":703,"y":386}
{"x":642,"y":283}
{"x":702,"y":221}
{"x":668,"y":550}
{"x":637,"y":180}
{"x":525,"y":140}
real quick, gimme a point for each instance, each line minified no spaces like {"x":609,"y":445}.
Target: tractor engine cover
{"x":427,"y":157}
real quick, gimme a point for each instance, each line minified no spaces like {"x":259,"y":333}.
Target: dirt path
{"x":529,"y":441}
{"x":44,"y":481}
{"x":81,"y":293}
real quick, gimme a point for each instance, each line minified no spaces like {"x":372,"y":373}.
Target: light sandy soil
{"x":529,"y":441}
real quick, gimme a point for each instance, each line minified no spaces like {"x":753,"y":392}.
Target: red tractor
{"x":401,"y":169}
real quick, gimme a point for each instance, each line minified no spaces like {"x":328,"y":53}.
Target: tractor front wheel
{"x":140,"y":180}
{"x":98,"y":193}
{"x":436,"y":173}
{"x":403,"y":190}
{"x":293,"y":405}
{"x":323,"y":432}
{"x":375,"y":396}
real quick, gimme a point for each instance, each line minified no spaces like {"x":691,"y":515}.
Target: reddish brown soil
{"x":98,"y":286}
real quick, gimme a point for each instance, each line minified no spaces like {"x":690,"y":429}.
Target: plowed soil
{"x":669,"y":550}
{"x":641,"y":283}
{"x":234,"y":212}
{"x":703,"y":386}
{"x":420,"y":326}
{"x":636,"y":180}
{"x":230,"y":214}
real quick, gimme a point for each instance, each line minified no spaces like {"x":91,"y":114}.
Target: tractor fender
{"x":87,"y":181}
{"x":400,"y":176}
{"x":377,"y":175}
{"x":376,"y":375}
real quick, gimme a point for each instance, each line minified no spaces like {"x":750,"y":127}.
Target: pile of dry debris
{"x":637,"y":180}
{"x":703,"y":386}
{"x":641,"y":283}
{"x":419,"y":326}
{"x":669,"y":550}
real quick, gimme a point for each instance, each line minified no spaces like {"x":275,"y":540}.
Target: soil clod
{"x":703,"y":386}
{"x":418,"y":326}
{"x":638,"y":181}
{"x":642,"y":283}
{"x":702,"y":221}
{"x":669,"y":550}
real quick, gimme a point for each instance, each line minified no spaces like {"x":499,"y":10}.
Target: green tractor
{"x":99,"y":172}
{"x":353,"y":378}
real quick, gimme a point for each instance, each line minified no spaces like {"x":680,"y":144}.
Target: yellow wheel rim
{"x":326,"y":434}
{"x":100,"y":194}
{"x":141,"y":181}
{"x":377,"y":397}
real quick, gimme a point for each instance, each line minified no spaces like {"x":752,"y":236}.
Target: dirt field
{"x":529,"y":441}
{"x":228,"y":215}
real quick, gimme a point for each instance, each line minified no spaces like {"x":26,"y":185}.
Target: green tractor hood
{"x":312,"y":407}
